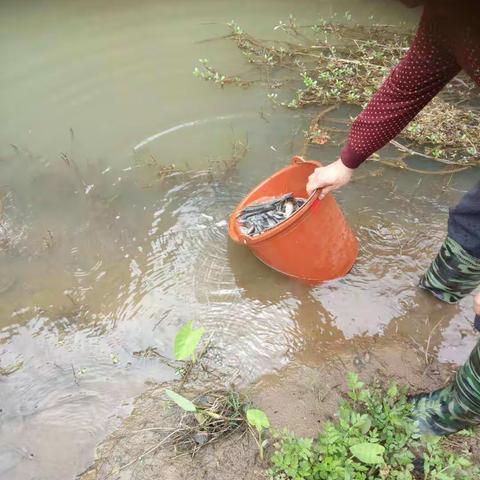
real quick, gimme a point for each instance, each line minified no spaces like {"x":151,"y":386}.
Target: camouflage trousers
{"x":454,"y":407}
{"x":453,"y":274}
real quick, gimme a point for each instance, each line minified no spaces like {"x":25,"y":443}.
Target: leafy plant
{"x":187,"y":340}
{"x":368,"y":452}
{"x":206,"y":72}
{"x":257,"y":419}
{"x":294,"y":458}
{"x":373,"y":438}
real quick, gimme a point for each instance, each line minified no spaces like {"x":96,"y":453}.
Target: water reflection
{"x":119,"y":281}
{"x":119,"y":268}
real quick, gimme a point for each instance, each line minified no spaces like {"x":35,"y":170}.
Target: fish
{"x":289,"y":207}
{"x":259,"y":217}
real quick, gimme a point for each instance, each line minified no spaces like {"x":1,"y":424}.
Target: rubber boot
{"x":453,"y":274}
{"x":476,"y":323}
{"x":454,"y":407}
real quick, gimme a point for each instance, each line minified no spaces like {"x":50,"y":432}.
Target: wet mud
{"x":299,"y":397}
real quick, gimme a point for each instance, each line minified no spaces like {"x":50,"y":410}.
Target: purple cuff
{"x":350,"y":158}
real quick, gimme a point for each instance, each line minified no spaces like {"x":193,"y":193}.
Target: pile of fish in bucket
{"x":262,"y":216}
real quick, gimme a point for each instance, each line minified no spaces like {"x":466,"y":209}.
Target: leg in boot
{"x":456,"y":270}
{"x":454,"y":407}
{"x":453,"y":274}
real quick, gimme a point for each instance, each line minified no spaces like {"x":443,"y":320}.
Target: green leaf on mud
{"x":258,"y":419}
{"x":369,"y":453}
{"x":182,"y":402}
{"x":353,"y":381}
{"x":392,"y":392}
{"x":365,"y":423}
{"x":186,"y":341}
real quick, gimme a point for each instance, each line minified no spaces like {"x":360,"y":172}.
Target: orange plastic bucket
{"x":315,"y":244}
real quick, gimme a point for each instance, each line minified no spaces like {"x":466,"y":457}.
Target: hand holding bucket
{"x":313,"y":245}
{"x":329,"y":178}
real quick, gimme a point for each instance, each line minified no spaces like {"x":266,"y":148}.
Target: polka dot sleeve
{"x":422,"y":73}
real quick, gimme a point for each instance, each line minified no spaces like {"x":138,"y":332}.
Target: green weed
{"x":258,"y":420}
{"x":373,"y":438}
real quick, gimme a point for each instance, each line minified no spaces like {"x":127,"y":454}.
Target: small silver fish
{"x":260,"y":217}
{"x":289,"y":208}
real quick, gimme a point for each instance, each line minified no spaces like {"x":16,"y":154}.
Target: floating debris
{"x":9,"y":369}
{"x":262,"y":216}
{"x":218,"y":414}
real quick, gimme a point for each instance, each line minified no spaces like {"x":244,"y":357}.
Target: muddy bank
{"x":299,"y":397}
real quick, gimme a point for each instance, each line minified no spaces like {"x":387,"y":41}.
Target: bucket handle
{"x":298,"y":160}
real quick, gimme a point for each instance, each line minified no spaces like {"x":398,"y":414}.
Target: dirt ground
{"x":298,"y":397}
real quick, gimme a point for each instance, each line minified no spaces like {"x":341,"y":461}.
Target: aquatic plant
{"x":337,"y":64}
{"x":186,"y":341}
{"x":207,"y":72}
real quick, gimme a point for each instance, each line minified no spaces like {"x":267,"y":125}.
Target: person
{"x":447,"y":41}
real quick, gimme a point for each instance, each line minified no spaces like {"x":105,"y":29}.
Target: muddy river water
{"x":104,"y":252}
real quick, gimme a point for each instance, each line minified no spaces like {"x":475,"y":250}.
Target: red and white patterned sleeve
{"x":426,"y":68}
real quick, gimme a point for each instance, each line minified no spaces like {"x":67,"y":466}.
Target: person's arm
{"x":422,"y":73}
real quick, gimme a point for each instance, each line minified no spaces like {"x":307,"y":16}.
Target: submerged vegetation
{"x":372,"y":438}
{"x":345,"y":64}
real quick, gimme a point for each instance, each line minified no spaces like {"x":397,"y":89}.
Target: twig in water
{"x":74,"y":375}
{"x":408,"y":150}
{"x":403,"y":166}
{"x":427,"y":362}
{"x":314,"y":124}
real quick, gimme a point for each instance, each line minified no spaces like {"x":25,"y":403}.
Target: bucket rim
{"x":239,"y":237}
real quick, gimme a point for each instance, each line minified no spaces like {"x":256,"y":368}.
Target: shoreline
{"x":298,"y":397}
